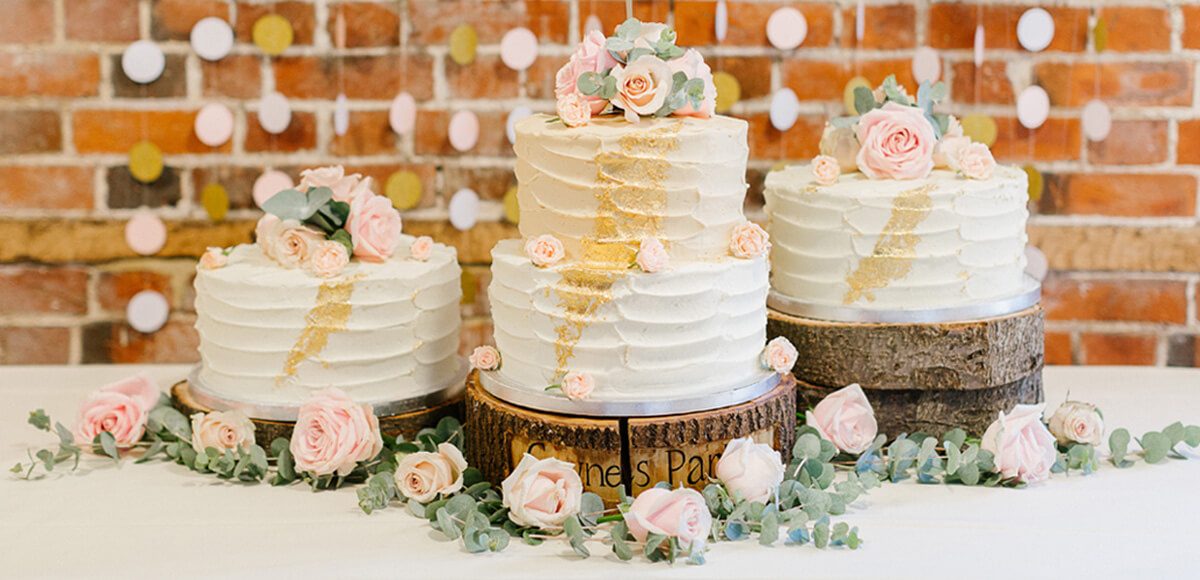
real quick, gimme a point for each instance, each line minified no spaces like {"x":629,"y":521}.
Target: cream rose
{"x":825,"y":169}
{"x":421,"y":249}
{"x":345,"y":187}
{"x":680,"y":513}
{"x":263,"y":231}
{"x":485,"y":358}
{"x":574,"y":110}
{"x":841,"y":144}
{"x":374,"y":226}
{"x":897,"y":143}
{"x":213,"y":258}
{"x":544,"y":250}
{"x":1022,"y":445}
{"x":749,"y":241}
{"x":642,"y":86}
{"x":117,"y":413}
{"x":328,"y":259}
{"x":652,"y":256}
{"x":333,"y":434}
{"x":779,"y":355}
{"x":975,"y":161}
{"x":221,"y":430}
{"x":750,"y":470}
{"x":692,"y":64}
{"x":542,"y":492}
{"x":589,"y":56}
{"x":287,"y":242}
{"x":954,"y":127}
{"x":1077,"y":422}
{"x":578,"y":386}
{"x":947,"y":151}
{"x":422,"y":476}
{"x":846,"y":419}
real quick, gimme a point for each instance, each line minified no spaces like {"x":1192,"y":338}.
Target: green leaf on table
{"x":108,"y":444}
{"x":447,"y":525}
{"x":968,"y":474}
{"x":1191,"y":435}
{"x":953,"y":457}
{"x":47,"y":458}
{"x":285,"y":465}
{"x":653,"y":547}
{"x":955,"y":438}
{"x":591,"y":507}
{"x":65,"y":437}
{"x":808,"y":446}
{"x":16,"y":469}
{"x":620,"y":546}
{"x":769,"y":531}
{"x":173,"y":421}
{"x":1155,"y":446}
{"x":1174,"y":432}
{"x":853,"y":541}
{"x":39,"y":419}
{"x":156,"y":446}
{"x":798,"y":535}
{"x":821,"y":533}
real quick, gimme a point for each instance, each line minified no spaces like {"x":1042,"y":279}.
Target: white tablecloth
{"x":159,"y":520}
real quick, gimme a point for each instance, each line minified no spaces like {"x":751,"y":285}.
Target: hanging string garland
{"x":979,"y":42}
{"x":145,"y":162}
{"x":1035,"y":29}
{"x":1036,"y":264}
{"x":402,"y":115}
{"x":515,"y":116}
{"x":1037,"y":183}
{"x":215,"y":200}
{"x":785,"y":109}
{"x":145,"y":233}
{"x":214,"y":124}
{"x":463,"y":41}
{"x":729,"y":91}
{"x":273,"y":34}
{"x":926,"y":65}
{"x":464,"y":209}
{"x":512,"y":208}
{"x":980,"y":128}
{"x":721,"y":21}
{"x":271,"y":181}
{"x":212,"y":38}
{"x":143,"y":62}
{"x":274,"y":113}
{"x":787,"y":28}
{"x":1033,"y":106}
{"x":404,"y":189}
{"x":519,"y":48}
{"x":147,"y":311}
{"x":463,"y":131}
{"x":341,"y":115}
{"x":1096,"y":120}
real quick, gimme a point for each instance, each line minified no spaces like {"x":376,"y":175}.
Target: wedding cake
{"x":331,"y":294}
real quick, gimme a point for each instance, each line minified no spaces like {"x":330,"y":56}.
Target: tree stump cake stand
{"x":636,"y":452}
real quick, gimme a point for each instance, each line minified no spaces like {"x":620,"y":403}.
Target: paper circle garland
{"x":512,"y":208}
{"x":215,"y":200}
{"x":341,"y":115}
{"x":464,"y":130}
{"x":274,"y":113}
{"x":147,"y":311}
{"x":212,"y":38}
{"x":721,"y":21}
{"x":143,"y":62}
{"x":926,"y":65}
{"x":145,"y":162}
{"x":1035,"y":29}
{"x":404,"y":189}
{"x":1096,"y":119}
{"x":980,"y":128}
{"x":519,"y":48}
{"x":1037,"y":183}
{"x":273,"y":34}
{"x":787,"y":28}
{"x":729,"y":90}
{"x":402,"y":116}
{"x":145,"y":233}
{"x":271,"y":181}
{"x":214,"y":124}
{"x":469,"y":285}
{"x":848,"y":93}
{"x":515,"y":116}
{"x":785,"y":109}
{"x":1036,"y":264}
{"x":463,"y":41}
{"x":464,"y":209}
{"x":1033,"y":106}
{"x":979,"y":45}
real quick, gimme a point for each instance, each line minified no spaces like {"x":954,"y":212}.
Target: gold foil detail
{"x":894,"y":252}
{"x":329,"y":315}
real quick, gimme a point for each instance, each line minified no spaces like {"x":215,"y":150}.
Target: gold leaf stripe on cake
{"x":329,"y":315}
{"x":894,"y":252}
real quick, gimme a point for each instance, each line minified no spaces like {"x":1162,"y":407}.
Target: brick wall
{"x":1118,"y":219}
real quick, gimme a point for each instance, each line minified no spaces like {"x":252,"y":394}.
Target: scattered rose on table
{"x":1022,"y":445}
{"x":1077,"y":422}
{"x":750,"y":470}
{"x":424,"y":475}
{"x":542,"y":492}
{"x":333,"y":434}
{"x":679,"y":513}
{"x":846,"y":419}
{"x":117,"y":413}
{"x":221,"y":430}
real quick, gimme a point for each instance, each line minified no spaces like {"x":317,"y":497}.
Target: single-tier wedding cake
{"x":332,"y":294}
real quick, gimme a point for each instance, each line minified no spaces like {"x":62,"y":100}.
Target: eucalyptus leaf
{"x":39,"y":419}
{"x":1174,"y":432}
{"x":108,"y":444}
{"x":447,"y":525}
{"x":173,"y":421}
{"x":1155,"y":446}
{"x":864,"y":100}
{"x":65,"y":437}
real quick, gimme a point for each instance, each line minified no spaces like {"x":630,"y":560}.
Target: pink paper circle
{"x":926,"y":65}
{"x":786,"y":28}
{"x":1033,"y":106}
{"x":271,"y":181}
{"x":145,"y":233}
{"x":214,"y":124}
{"x":274,"y":113}
{"x":341,"y":115}
{"x":403,"y":114}
{"x":515,"y":116}
{"x":1097,"y":120}
{"x":519,"y":48}
{"x":147,"y":311}
{"x":464,"y":209}
{"x":464,"y":130}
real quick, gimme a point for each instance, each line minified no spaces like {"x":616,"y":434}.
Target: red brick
{"x":488,"y":182}
{"x":885,"y":27}
{"x":987,"y":84}
{"x":1121,"y":83}
{"x":42,"y":187}
{"x":612,"y":13}
{"x":1119,"y":349}
{"x":301,"y":134}
{"x":1058,"y":348}
{"x":1191,"y":26}
{"x":1056,"y":140}
{"x":953,"y":26}
{"x":1189,"y":142}
{"x":366,"y":24}
{"x":1137,"y":28}
{"x":468,"y":82}
{"x":431,"y":137}
{"x":24,"y":131}
{"x":1183,"y":350}
{"x":26,"y":21}
{"x":747,"y":23}
{"x":238,"y":76}
{"x":1131,"y":143}
{"x":475,"y":332}
{"x":362,"y":77}
{"x":48,"y":74}
{"x":368,"y":134}
{"x":301,"y":15}
{"x":821,"y":80}
{"x":115,"y":131}
{"x":752,"y":72}
{"x":800,"y":142}
{"x":174,"y":19}
{"x":108,"y":342}
{"x":426,"y":172}
{"x":40,"y":289}
{"x":171,"y":84}
{"x":237,"y":181}
{"x":1163,"y":301}
{"x":101,"y":20}
{"x":1149,"y":195}
{"x":480,"y":277}
{"x":25,"y":345}
{"x":115,"y":289}
{"x":548,"y":19}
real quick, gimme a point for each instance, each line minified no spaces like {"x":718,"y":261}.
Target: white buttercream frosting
{"x":380,"y":331}
{"x":936,"y":242}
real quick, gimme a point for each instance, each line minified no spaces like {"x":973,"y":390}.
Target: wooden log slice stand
{"x":266,"y":430}
{"x":921,"y":376}
{"x":635,"y":452}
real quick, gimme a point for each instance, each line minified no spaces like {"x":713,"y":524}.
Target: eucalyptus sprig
{"x":314,"y":207}
{"x":47,"y":458}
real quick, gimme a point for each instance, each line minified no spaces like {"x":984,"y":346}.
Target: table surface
{"x":161,"y":520}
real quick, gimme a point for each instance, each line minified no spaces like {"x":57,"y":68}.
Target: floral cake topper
{"x":638,"y":72}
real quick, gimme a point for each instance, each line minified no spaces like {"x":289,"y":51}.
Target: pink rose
{"x":213,"y":258}
{"x":485,"y":358}
{"x":749,"y":241}
{"x":422,"y":476}
{"x":221,"y":430}
{"x":574,"y":110}
{"x":897,"y":143}
{"x":333,"y":434}
{"x":542,"y":492}
{"x":589,"y":56}
{"x":679,"y":513}
{"x":345,"y":187}
{"x":842,"y":144}
{"x":328,"y":259}
{"x":642,"y":86}
{"x":421,"y":249}
{"x":826,"y":170}
{"x":652,"y":256}
{"x":117,"y":413}
{"x":750,"y":470}
{"x":846,"y":419}
{"x":1022,"y":445}
{"x":1077,"y":422}
{"x":693,"y":65}
{"x":780,"y":356}
{"x":975,"y":161}
{"x":544,"y":250}
{"x":374,"y":225}
{"x":578,"y":386}
{"x":142,"y":388}
{"x":947,"y":151}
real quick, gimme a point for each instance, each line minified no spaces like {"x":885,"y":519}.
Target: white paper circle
{"x":979,"y":42}
{"x":519,"y":48}
{"x":403,"y":114}
{"x":860,"y":21}
{"x":1036,"y":264}
{"x":145,"y":233}
{"x":1033,"y":106}
{"x":271,"y":181}
{"x":786,"y":28}
{"x":341,"y":115}
{"x":785,"y":109}
{"x":593,"y":24}
{"x":1097,"y":120}
{"x":147,"y":311}
{"x":274,"y":113}
{"x":464,"y":209}
{"x":214,"y":124}
{"x":143,"y":62}
{"x":721,"y":21}
{"x":926,"y":65}
{"x":514,"y":117}
{"x":1035,"y":29}
{"x":212,"y":38}
{"x":464,"y":130}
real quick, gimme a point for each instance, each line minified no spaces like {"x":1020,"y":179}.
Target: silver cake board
{"x":1030,"y":295}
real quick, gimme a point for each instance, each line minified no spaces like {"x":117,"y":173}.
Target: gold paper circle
{"x":273,"y":34}
{"x":215,"y":200}
{"x":1037,"y":183}
{"x":468,"y":287}
{"x":779,"y":166}
{"x":848,"y":93}
{"x":404,"y":189}
{"x":512,"y":210}
{"x":729,"y":90}
{"x":462,"y":44}
{"x":145,"y":162}
{"x":980,"y":128}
